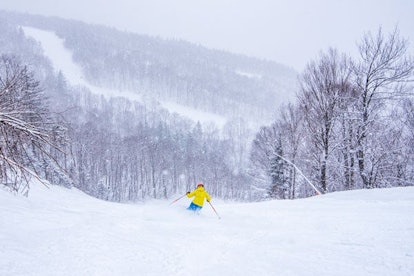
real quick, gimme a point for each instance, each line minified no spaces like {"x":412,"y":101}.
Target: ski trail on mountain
{"x":62,"y":60}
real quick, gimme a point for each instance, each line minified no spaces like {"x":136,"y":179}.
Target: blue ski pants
{"x":194,"y":207}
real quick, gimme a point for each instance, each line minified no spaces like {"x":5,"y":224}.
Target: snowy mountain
{"x":184,"y":78}
{"x":172,"y":111}
{"x":145,"y":117}
{"x":58,"y":231}
{"x":62,"y":61}
{"x":138,"y":118}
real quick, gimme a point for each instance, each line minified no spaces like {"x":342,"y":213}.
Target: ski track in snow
{"x":62,"y":60}
{"x":58,"y":231}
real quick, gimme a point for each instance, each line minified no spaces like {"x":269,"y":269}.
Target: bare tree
{"x":406,"y":165}
{"x":323,"y":84}
{"x":291,"y":125}
{"x":263,"y":146}
{"x":25,"y":126}
{"x":381,"y":74}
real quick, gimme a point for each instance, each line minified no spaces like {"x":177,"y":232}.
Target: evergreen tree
{"x":279,"y":187}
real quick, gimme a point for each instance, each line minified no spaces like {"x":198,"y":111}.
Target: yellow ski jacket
{"x":200,"y":194}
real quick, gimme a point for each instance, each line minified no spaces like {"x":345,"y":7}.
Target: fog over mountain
{"x":289,"y":32}
{"x":173,"y":71}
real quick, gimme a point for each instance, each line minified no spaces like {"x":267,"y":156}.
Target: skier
{"x":200,"y":194}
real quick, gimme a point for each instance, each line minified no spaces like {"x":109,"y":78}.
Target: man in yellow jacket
{"x":199,"y":195}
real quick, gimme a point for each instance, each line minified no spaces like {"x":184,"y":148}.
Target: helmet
{"x":200,"y":184}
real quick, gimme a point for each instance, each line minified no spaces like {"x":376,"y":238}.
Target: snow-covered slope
{"x":62,"y":61}
{"x":65,"y":232}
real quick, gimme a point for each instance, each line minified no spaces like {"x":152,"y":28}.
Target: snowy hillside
{"x":62,"y":61}
{"x":184,"y":78}
{"x":64,"y":232}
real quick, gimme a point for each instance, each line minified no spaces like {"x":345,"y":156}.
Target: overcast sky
{"x":291,"y":32}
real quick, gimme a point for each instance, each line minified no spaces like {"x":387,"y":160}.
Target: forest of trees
{"x":118,"y":149}
{"x":112,"y":149}
{"x":351,"y":126}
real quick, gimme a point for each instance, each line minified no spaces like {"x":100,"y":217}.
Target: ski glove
{"x":188,"y":193}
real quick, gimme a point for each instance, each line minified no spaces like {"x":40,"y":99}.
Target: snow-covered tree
{"x":292,"y":130}
{"x":380,"y":75}
{"x":28,"y":135}
{"x":324,"y":84}
{"x":267,"y":167}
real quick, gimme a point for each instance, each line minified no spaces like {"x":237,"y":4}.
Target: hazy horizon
{"x":292,"y":33}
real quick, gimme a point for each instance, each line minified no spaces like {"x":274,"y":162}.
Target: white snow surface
{"x":61,"y":231}
{"x":61,"y":58}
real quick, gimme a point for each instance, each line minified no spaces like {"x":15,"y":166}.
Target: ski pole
{"x":177,"y":199}
{"x":214,"y":209}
